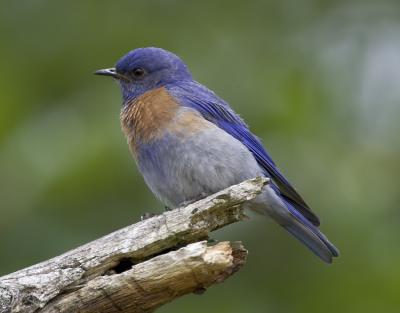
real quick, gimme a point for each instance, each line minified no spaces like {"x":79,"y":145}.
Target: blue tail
{"x":310,"y":235}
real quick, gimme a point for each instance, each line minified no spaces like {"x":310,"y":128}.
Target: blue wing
{"x":217,"y":111}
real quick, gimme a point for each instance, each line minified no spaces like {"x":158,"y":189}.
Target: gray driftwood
{"x":140,"y":267}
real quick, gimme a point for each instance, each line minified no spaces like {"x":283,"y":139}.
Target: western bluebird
{"x":188,"y":143}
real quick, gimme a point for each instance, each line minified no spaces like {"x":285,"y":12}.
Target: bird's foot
{"x":147,"y":215}
{"x":186,"y":203}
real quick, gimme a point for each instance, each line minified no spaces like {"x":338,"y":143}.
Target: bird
{"x":189,"y":143}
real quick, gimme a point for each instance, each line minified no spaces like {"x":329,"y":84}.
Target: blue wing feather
{"x":216,"y":110}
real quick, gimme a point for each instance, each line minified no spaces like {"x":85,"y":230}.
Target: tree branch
{"x":137,"y":268}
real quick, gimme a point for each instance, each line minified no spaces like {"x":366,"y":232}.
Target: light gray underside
{"x":180,"y":169}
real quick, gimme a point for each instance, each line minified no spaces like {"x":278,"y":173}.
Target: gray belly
{"x":182,"y":169}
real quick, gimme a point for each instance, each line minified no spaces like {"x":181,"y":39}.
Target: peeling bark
{"x":140,"y":267}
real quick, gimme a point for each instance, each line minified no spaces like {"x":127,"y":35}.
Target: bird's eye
{"x":138,"y":72}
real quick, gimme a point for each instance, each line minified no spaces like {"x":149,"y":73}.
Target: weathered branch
{"x":137,"y":268}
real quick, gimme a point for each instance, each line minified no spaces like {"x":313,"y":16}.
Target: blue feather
{"x":194,"y":95}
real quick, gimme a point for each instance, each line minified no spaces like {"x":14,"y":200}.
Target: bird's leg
{"x":147,"y":215}
{"x":187,"y":202}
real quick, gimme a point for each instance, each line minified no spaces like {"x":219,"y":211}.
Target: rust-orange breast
{"x":147,"y":116}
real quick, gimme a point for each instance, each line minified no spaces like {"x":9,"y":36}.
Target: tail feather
{"x":310,"y":236}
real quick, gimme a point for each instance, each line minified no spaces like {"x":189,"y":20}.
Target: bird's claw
{"x":147,"y":215}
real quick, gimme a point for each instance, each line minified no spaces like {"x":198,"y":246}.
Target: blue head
{"x":143,"y":69}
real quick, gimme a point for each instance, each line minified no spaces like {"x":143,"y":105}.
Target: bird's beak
{"x":111,"y":72}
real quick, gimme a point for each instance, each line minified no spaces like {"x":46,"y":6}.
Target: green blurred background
{"x":318,"y":81}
